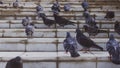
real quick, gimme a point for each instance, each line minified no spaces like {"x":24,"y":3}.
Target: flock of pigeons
{"x":70,"y":43}
{"x":90,"y":24}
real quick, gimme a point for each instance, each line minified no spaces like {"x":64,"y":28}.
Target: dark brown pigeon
{"x":93,"y":30}
{"x":15,"y":63}
{"x":62,"y":21}
{"x":110,"y":14}
{"x":47,"y":21}
{"x":86,"y":42}
{"x":117,"y":27}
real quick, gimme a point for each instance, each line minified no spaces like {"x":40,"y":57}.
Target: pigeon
{"x":15,"y":63}
{"x":15,"y":4}
{"x":86,"y":13}
{"x":85,"y":5}
{"x":113,"y":49}
{"x":39,"y":8}
{"x":62,"y":21}
{"x":70,"y":45}
{"x":67,"y":7}
{"x":111,"y":45}
{"x":55,"y":8}
{"x":89,"y":19}
{"x":116,"y":56}
{"x":1,"y":2}
{"x":40,"y":11}
{"x":110,"y":15}
{"x":85,"y":41}
{"x":25,"y":21}
{"x":93,"y":30}
{"x":117,"y":27}
{"x":47,"y":21}
{"x":29,"y":30}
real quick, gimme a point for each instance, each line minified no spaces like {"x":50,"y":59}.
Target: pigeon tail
{"x":116,"y":62}
{"x":72,"y":23}
{"x":96,"y":46}
{"x":102,"y":31}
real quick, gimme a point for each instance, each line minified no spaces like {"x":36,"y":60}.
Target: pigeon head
{"x":27,"y":17}
{"x":18,"y":59}
{"x":111,"y":37}
{"x":68,"y":35}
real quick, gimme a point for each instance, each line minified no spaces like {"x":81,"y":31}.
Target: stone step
{"x":59,"y":60}
{"x":41,"y":25}
{"x":48,"y":12}
{"x":33,"y":6}
{"x":68,"y":1}
{"x":40,"y":21}
{"x":49,"y":33}
{"x":33,"y":15}
{"x":40,"y":44}
{"x":16,"y":24}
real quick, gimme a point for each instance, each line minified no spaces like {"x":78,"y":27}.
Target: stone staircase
{"x":45,"y":49}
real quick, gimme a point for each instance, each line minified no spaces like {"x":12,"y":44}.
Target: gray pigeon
{"x":70,"y":45}
{"x":29,"y":30}
{"x":111,"y":45}
{"x":56,"y":7}
{"x":116,"y":56}
{"x":16,"y":4}
{"x":15,"y":63}
{"x":25,"y":21}
{"x":85,"y":5}
{"x":67,"y":7}
{"x":86,"y":42}
{"x":113,"y":48}
{"x":39,"y":8}
{"x":89,"y":19}
{"x":40,"y":11}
